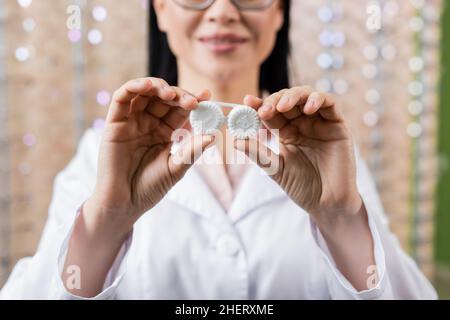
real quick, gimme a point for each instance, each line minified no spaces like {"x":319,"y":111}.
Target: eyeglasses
{"x":240,"y":4}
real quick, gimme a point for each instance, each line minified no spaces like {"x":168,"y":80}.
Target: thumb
{"x":260,"y":154}
{"x":188,"y":152}
{"x":203,"y":95}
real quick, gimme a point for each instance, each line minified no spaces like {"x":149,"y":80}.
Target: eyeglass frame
{"x":209,"y":3}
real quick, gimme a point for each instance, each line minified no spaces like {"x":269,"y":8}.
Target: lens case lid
{"x":207,"y":118}
{"x":243,"y":122}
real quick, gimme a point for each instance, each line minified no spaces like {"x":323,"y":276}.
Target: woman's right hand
{"x":135,"y":171}
{"x":135,"y":166}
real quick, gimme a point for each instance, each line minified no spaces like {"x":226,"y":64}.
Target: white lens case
{"x":207,"y":118}
{"x":243,"y":121}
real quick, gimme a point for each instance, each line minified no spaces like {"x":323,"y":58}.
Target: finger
{"x":253,"y":102}
{"x":189,"y":152}
{"x":204,"y":95}
{"x":139,"y":103}
{"x":123,"y":96}
{"x":292,"y":114}
{"x":260,"y":154}
{"x":267,"y":110}
{"x":177,"y":117}
{"x":123,"y":99}
{"x":277,"y":122}
{"x":269,"y":115}
{"x":161,"y":91}
{"x":289,"y":103}
{"x":182,"y":99}
{"x":296,"y":96}
{"x":325,"y":105}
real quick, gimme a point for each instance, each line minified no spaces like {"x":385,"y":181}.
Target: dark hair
{"x":273,"y":74}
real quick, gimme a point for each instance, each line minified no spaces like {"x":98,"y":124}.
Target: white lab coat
{"x":187,"y":247}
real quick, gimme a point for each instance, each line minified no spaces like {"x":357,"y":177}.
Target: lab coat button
{"x":227,"y":245}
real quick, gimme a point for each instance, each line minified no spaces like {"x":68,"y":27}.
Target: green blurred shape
{"x":442,"y":243}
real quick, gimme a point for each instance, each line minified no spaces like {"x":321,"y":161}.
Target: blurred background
{"x":387,"y":61}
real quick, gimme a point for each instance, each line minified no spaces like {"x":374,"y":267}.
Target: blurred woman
{"x":151,"y":226}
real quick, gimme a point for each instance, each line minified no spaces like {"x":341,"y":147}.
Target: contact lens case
{"x":207,"y":118}
{"x":243,"y":121}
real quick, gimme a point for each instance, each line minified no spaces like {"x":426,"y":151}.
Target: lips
{"x":223,"y":43}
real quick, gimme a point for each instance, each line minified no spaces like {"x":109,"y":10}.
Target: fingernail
{"x":311,"y":104}
{"x":186,"y":97}
{"x":283,"y":101}
{"x":199,"y":93}
{"x":167,"y":88}
{"x":266,"y":108}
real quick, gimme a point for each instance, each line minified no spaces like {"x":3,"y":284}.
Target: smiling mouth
{"x":223,"y":43}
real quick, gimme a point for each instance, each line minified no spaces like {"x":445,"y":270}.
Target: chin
{"x":223,"y":76}
{"x":223,"y":71}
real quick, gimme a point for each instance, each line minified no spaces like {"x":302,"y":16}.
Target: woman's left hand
{"x":317,"y":169}
{"x":316,"y":159}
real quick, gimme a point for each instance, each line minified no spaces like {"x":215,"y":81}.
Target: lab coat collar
{"x":256,"y":189}
{"x":193,"y":193}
